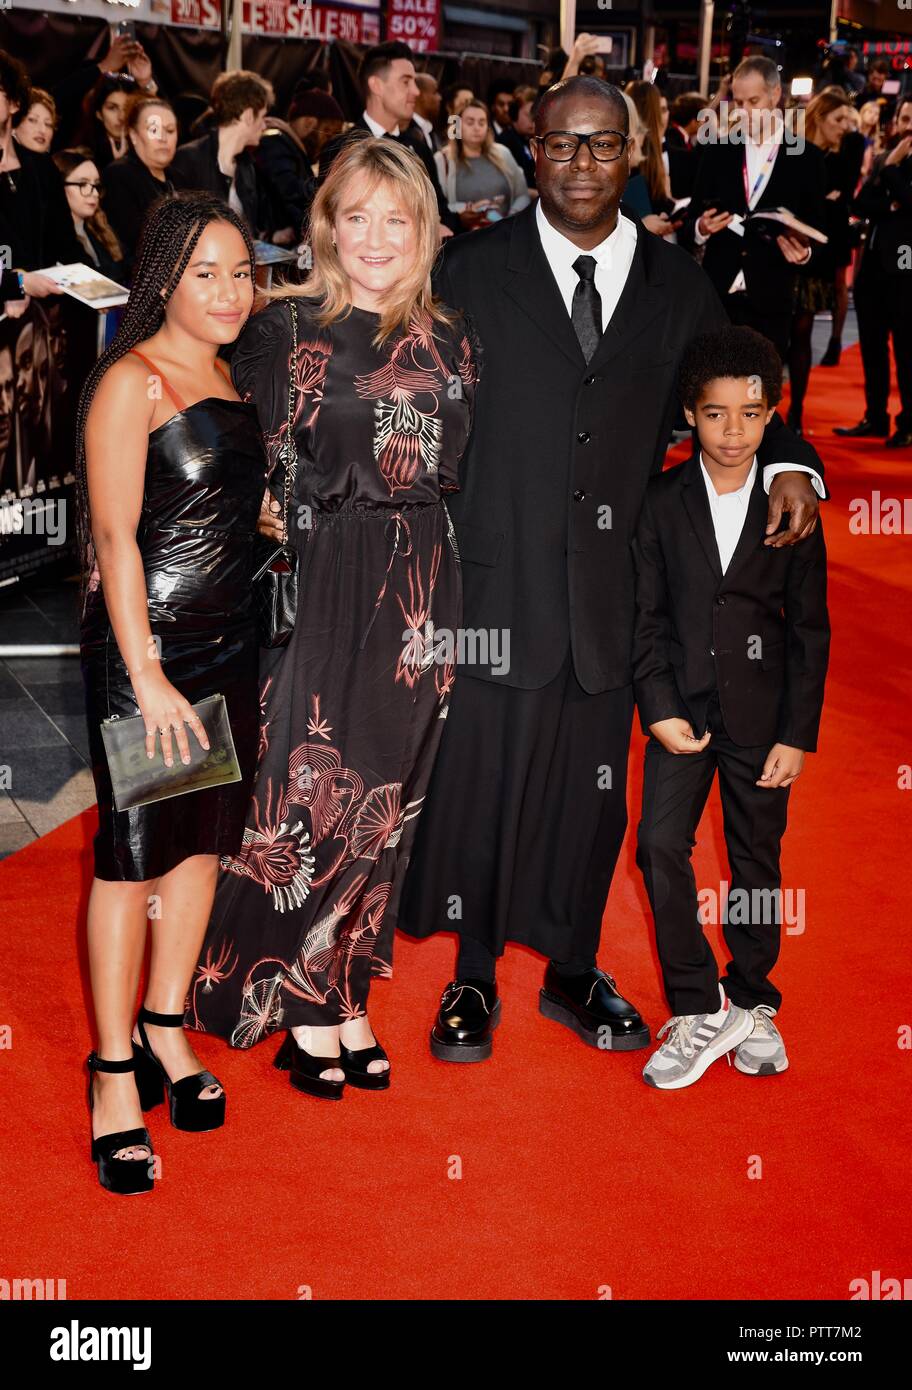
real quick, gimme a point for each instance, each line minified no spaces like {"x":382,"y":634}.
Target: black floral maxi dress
{"x":352,"y":707}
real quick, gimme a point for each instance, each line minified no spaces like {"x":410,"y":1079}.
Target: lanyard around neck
{"x":762,"y":177}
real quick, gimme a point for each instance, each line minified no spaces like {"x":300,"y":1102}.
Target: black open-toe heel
{"x":355,"y":1061}
{"x":189,"y":1110}
{"x":304,"y":1070}
{"x":122,"y":1175}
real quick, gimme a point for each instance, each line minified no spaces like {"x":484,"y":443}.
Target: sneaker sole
{"x":711,"y":1053}
{"x":764,"y":1069}
{"x":559,"y":1013}
{"x":466,"y":1052}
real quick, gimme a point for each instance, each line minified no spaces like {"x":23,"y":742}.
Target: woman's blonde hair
{"x":372,"y":162}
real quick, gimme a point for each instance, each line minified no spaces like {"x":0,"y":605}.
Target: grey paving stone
{"x":52,"y":785}
{"x":9,"y":811}
{"x":15,"y":836}
{"x":24,"y":727}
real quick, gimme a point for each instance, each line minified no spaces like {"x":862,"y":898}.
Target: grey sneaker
{"x":693,"y":1045}
{"x":763,"y":1053}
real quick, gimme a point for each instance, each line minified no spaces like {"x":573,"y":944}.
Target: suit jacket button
{"x":578,"y":495}
{"x":589,"y":381}
{"x":721,"y":600}
{"x":712,"y":651}
{"x":583,"y":437}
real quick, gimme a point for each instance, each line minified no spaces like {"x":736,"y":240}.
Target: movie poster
{"x":45,"y":356}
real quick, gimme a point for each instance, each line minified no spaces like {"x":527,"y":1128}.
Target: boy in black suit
{"x":730,"y":656}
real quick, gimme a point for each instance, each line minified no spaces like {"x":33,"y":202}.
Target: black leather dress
{"x":205,"y":477}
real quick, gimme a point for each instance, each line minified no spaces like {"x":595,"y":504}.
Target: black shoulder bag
{"x":275,"y":579}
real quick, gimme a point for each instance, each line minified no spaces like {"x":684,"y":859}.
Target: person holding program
{"x":731,"y":641}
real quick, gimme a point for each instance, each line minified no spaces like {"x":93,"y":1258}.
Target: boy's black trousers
{"x":675,"y":791}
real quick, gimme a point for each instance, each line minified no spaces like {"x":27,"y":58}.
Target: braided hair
{"x":172,"y":230}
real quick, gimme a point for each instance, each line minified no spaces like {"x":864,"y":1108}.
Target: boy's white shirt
{"x":728,"y":511}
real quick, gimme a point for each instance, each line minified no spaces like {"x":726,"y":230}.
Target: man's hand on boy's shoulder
{"x":794,"y":495}
{"x":677,"y":736}
{"x":782,"y":766}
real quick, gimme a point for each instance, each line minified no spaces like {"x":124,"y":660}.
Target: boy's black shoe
{"x":865,"y":429}
{"x":591,"y":1006}
{"x":468,"y":1014}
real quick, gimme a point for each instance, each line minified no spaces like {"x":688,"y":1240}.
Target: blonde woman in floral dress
{"x":352,"y":707}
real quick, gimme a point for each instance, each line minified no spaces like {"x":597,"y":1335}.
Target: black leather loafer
{"x":900,"y":440}
{"x":591,"y":1006}
{"x":468,"y":1014}
{"x":865,"y":429}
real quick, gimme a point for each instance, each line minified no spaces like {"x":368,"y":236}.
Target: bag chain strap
{"x":288,"y":452}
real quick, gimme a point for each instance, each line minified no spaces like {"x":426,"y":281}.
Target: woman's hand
{"x":471,"y":217}
{"x":583,"y":46}
{"x":140,"y":65}
{"x":166,"y":711}
{"x":659,"y":223}
{"x":269,"y":522}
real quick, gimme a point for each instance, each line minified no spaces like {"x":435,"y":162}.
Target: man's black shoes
{"x":591,"y":1006}
{"x":900,"y":440}
{"x":865,"y":429}
{"x":468,"y":1014}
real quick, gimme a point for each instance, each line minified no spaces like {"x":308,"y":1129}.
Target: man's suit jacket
{"x":758,"y":634}
{"x":885,"y":199}
{"x":521,"y":152}
{"x":561,"y":451}
{"x":796,"y":183}
{"x":196,"y":166}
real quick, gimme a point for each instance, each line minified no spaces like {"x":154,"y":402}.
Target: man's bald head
{"x":589,"y":89}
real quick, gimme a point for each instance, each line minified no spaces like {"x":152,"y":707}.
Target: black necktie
{"x":586,"y":309}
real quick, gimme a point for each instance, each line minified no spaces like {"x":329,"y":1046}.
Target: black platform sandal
{"x":304,"y":1070}
{"x":122,"y":1175}
{"x":355,"y":1061}
{"x":189,"y":1110}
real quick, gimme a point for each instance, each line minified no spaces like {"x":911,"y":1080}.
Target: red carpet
{"x":574,"y":1175}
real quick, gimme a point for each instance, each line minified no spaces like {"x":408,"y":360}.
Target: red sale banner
{"x":415,"y":22}
{"x":286,"y":19}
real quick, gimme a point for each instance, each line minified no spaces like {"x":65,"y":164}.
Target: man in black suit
{"x":753,"y":165}
{"x":387,"y":77}
{"x":582,"y":316}
{"x":729,"y":660}
{"x":883,"y":287}
{"x":516,"y":136}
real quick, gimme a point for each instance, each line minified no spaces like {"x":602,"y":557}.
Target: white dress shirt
{"x":375,"y":127}
{"x":424,"y":125}
{"x":728,"y":511}
{"x":613,"y":259}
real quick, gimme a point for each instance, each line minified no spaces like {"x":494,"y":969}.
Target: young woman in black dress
{"x":170,"y":478}
{"x":383,"y":381}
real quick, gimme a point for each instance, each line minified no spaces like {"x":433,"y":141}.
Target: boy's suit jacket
{"x":759,"y":634}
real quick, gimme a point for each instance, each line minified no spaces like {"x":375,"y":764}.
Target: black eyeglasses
{"x":562,"y":145}
{"x":85,"y":186}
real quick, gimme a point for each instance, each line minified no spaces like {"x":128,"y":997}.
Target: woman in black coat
{"x":134,"y":183}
